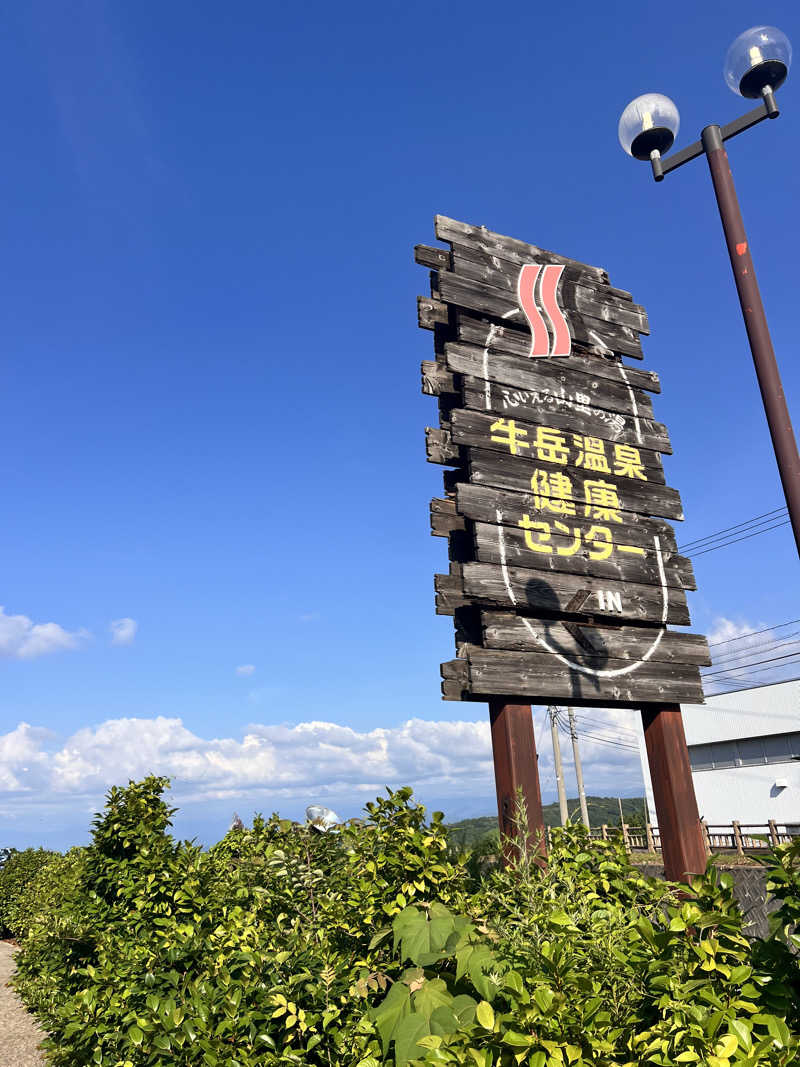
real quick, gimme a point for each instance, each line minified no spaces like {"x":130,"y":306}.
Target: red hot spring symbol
{"x":536,"y":288}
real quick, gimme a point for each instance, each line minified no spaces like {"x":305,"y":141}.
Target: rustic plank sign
{"x":564,"y":574}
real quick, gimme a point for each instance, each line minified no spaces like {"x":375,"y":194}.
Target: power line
{"x":753,"y":633}
{"x":594,"y":737}
{"x":766,"y":646}
{"x":736,"y":539}
{"x":752,"y":663}
{"x":730,"y":529}
{"x":607,"y":725}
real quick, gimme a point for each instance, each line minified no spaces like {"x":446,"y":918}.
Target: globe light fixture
{"x":648,"y":124}
{"x":756,"y":65}
{"x":758,"y":60}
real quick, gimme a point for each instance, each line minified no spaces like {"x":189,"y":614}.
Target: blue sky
{"x":210,"y":415}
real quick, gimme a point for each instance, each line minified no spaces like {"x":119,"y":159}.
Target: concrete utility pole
{"x":562,"y":793}
{"x":573,"y":732}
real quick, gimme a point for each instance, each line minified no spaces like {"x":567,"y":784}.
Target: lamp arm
{"x":767,"y":109}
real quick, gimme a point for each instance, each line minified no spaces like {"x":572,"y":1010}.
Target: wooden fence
{"x":730,"y":837}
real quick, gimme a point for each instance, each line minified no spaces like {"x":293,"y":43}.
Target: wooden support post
{"x":773,"y":833}
{"x":626,"y":840}
{"x":651,"y":844}
{"x":604,"y":831}
{"x":737,"y":837}
{"x":516,"y":768}
{"x":682,"y":845}
{"x":706,"y":838}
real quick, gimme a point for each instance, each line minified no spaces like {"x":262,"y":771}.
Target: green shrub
{"x":374,"y":945}
{"x":16,"y":876}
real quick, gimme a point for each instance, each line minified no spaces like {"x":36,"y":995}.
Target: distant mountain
{"x":466,"y":832}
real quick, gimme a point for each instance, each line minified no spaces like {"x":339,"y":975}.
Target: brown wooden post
{"x":682,"y":845}
{"x":707,"y":842}
{"x":737,"y":837}
{"x":651,"y":844}
{"x":516,"y":767}
{"x":604,"y":831}
{"x":773,"y":833}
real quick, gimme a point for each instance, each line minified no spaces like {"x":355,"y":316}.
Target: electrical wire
{"x":765,"y":646}
{"x":767,"y":516}
{"x":753,"y":633}
{"x":752,"y":663}
{"x":736,"y":539}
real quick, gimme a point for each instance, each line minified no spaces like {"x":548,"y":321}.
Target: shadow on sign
{"x":584,"y":657}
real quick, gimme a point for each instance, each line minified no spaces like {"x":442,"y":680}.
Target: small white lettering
{"x":609,"y":601}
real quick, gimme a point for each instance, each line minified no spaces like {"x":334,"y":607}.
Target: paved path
{"x":19,"y":1034}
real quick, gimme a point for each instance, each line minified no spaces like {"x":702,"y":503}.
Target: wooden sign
{"x":564,"y":575}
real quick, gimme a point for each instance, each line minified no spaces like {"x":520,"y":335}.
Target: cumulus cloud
{"x":21,"y":638}
{"x":272,"y":763}
{"x":123,"y":631}
{"x":245,"y":669}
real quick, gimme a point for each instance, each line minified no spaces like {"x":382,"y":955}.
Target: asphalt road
{"x":19,"y":1034}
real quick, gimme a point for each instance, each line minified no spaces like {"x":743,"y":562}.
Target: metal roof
{"x":765,"y":709}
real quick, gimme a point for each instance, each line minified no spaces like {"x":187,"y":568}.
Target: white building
{"x":744,"y":749}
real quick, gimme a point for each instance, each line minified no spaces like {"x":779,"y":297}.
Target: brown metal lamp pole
{"x":755,"y":320}
{"x":756,"y":65}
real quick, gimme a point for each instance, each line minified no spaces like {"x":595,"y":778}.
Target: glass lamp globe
{"x":649,"y":123}
{"x":759,"y":57}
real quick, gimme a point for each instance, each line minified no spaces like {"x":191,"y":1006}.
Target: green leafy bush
{"x":375,"y":945}
{"x":16,"y":876}
{"x":261,"y":951}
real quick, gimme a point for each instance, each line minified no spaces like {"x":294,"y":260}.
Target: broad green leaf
{"x":406,"y":1035}
{"x":484,"y":1013}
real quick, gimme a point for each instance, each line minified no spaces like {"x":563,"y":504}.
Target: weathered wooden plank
{"x":504,"y":629}
{"x":537,"y":593}
{"x":449,"y":589}
{"x":483,"y":503}
{"x":434,"y":258}
{"x":474,"y":428}
{"x":572,"y":484}
{"x":452,"y":230}
{"x":437,"y":380}
{"x":581,"y":551}
{"x":517,"y":342}
{"x":574,"y":291}
{"x":535,"y":675}
{"x":431,"y":312}
{"x":548,"y":376}
{"x":501,"y":304}
{"x":564,"y":413}
{"x":444,"y":518}
{"x":439,"y":446}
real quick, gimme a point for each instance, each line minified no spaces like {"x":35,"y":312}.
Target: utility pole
{"x":562,"y":793}
{"x":573,"y":732}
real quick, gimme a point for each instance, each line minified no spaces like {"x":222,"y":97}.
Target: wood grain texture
{"x":503,"y":305}
{"x":515,"y":473}
{"x":536,"y":593}
{"x":516,"y":341}
{"x":549,"y":377}
{"x":490,"y":543}
{"x":576,"y":292}
{"x":468,"y":427}
{"x":483,"y":503}
{"x":504,"y":629}
{"x":533,"y":676}
{"x":479,"y":237}
{"x":562,"y":412}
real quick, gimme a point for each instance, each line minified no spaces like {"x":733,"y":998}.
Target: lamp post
{"x":755,"y":67}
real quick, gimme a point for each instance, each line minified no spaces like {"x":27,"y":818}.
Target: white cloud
{"x":245,"y":669}
{"x":123,"y":631}
{"x":746,"y":654}
{"x":280,"y":764}
{"x":21,"y":638}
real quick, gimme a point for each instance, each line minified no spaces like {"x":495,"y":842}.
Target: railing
{"x":729,"y":837}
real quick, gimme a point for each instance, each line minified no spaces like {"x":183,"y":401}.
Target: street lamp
{"x":755,"y":67}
